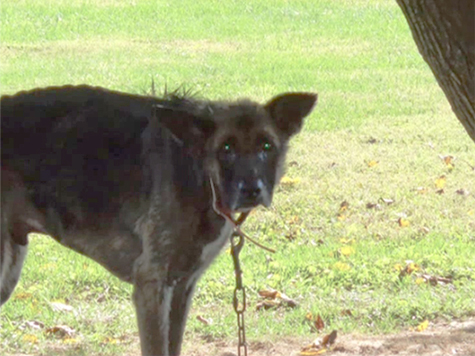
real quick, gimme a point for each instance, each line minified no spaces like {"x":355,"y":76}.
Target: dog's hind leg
{"x":12,"y":256}
{"x":18,"y":218}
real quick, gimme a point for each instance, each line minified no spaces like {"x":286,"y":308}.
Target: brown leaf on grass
{"x":203,"y":320}
{"x":273,"y":299}
{"x":33,"y":324}
{"x":409,"y":269}
{"x":375,"y":206}
{"x":462,"y":191}
{"x":269,"y":294}
{"x":435,"y":280}
{"x":268,"y":304}
{"x":318,"y":323}
{"x":320,"y":345}
{"x":346,"y":312}
{"x":344,"y":206}
{"x":449,"y":161}
{"x":343,"y":210}
{"x":440,"y":191}
{"x":60,"y":331}
{"x":329,"y":340}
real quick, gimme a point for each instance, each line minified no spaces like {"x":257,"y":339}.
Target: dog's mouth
{"x":243,"y":201}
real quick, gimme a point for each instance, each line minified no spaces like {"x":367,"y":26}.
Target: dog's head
{"x":242,"y":144}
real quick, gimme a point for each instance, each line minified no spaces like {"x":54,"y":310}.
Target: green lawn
{"x":377,"y":136}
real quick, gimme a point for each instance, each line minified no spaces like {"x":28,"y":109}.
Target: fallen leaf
{"x":372,"y":163}
{"x":267,"y":304}
{"x":448,"y":160}
{"x":403,"y":222}
{"x":434,"y":280}
{"x":419,"y":280}
{"x":112,"y":340}
{"x":341,"y":266}
{"x":440,"y":182}
{"x":421,"y":190}
{"x":274,"y":299}
{"x":410,"y":268}
{"x":203,"y":320}
{"x":329,"y":340}
{"x":422,"y":326}
{"x":61,"y":307}
{"x":440,"y":191}
{"x":70,"y":340}
{"x":22,"y":296}
{"x":289,"y":182}
{"x":347,"y":251}
{"x":60,"y":331}
{"x":270,"y":294}
{"x":318,"y":323}
{"x":30,"y":338}
{"x":387,"y":201}
{"x":344,"y":206}
{"x":320,"y":345}
{"x":462,"y":191}
{"x":346,"y":312}
{"x":373,"y":206}
{"x":37,"y":325}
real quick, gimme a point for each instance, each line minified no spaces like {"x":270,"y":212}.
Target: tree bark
{"x":444,"y":32}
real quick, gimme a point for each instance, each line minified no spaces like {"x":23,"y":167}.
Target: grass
{"x":379,"y":130}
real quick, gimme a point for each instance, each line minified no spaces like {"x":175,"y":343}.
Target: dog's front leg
{"x":152,"y":298}
{"x":181,"y":302}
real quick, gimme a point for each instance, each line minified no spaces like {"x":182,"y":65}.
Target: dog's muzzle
{"x":250,"y":194}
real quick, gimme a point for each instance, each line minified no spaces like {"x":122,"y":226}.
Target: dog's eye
{"x":228,"y":147}
{"x":266,"y":146}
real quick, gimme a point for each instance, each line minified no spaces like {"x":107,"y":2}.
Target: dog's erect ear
{"x":187,"y":129}
{"x":289,"y":109}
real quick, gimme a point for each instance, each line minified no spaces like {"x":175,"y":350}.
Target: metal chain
{"x":239,"y":298}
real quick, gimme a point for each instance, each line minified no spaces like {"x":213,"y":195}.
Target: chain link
{"x":239,"y":298}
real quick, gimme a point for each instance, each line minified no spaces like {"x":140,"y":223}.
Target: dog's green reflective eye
{"x":266,"y":146}
{"x":227,"y":147}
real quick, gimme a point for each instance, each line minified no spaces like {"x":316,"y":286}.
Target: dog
{"x":139,"y":184}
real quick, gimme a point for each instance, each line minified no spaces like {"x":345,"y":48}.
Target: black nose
{"x":251,"y":191}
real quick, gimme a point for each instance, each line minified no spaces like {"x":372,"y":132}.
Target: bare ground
{"x":443,"y":339}
{"x":455,"y":338}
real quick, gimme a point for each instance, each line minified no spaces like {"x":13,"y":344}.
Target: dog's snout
{"x":251,"y":191}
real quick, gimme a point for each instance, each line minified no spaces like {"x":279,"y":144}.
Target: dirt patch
{"x":456,"y":338}
{"x":443,"y":339}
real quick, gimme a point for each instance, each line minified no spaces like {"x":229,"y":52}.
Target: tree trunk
{"x":444,"y":31}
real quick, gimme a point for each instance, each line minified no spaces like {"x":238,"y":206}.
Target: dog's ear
{"x":187,"y":129}
{"x":289,"y":109}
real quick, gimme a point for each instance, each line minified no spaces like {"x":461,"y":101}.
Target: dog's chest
{"x":212,"y":249}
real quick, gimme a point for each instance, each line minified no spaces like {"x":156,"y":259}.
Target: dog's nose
{"x":251,"y":191}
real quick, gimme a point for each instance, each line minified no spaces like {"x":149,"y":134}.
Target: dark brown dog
{"x":127,"y":180}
